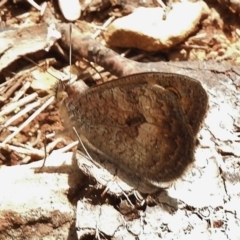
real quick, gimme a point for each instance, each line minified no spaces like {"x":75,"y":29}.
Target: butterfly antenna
{"x":70,"y":49}
{"x":81,"y":142}
{"x":70,"y":44}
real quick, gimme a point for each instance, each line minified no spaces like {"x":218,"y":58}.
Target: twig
{"x":3,"y":2}
{"x":12,"y":106}
{"x":27,"y":109}
{"x":21,"y":91}
{"x":21,"y":150}
{"x":16,"y":83}
{"x":41,"y":9}
{"x":103,"y":27}
{"x":46,"y":104}
{"x":67,"y":148}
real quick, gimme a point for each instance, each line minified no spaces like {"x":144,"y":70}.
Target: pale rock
{"x":36,"y":205}
{"x":71,"y":9}
{"x":146,"y":28}
{"x":95,"y":218}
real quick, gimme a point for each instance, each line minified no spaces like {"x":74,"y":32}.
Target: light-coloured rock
{"x":71,"y":9}
{"x":146,"y":28}
{"x":96,"y":218}
{"x":36,"y":205}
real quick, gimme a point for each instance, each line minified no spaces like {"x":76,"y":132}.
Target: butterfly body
{"x":144,"y":124}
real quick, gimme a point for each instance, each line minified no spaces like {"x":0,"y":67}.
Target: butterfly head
{"x":60,"y":91}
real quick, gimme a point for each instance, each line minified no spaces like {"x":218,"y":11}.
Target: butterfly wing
{"x":139,"y":125}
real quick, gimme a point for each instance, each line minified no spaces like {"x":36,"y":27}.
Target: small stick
{"x":68,"y":147}
{"x":41,"y":9}
{"x":21,"y":150}
{"x":62,"y":150}
{"x":46,"y":104}
{"x":3,"y":2}
{"x":20,"y":93}
{"x":12,"y":106}
{"x":27,"y":109}
{"x":16,"y":83}
{"x":103,"y":27}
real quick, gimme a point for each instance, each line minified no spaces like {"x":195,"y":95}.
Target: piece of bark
{"x":84,"y":46}
{"x":17,"y":42}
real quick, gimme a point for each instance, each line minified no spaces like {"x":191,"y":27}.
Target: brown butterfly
{"x":145,"y":124}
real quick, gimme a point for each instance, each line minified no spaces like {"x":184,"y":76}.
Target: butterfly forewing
{"x":140,"y":123}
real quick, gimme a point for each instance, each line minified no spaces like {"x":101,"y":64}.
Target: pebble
{"x":71,"y":9}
